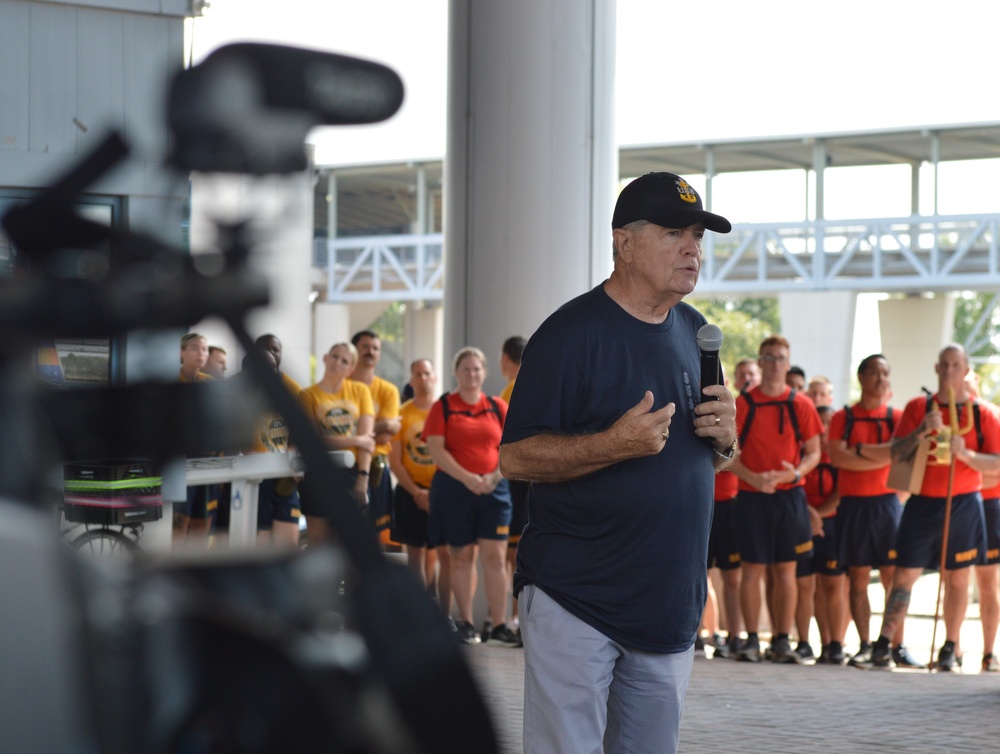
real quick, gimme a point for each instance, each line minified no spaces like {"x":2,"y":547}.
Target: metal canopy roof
{"x":380,"y":198}
{"x":863,"y":148}
{"x":376,"y":199}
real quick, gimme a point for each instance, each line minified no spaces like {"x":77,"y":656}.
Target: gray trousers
{"x":586,"y":694}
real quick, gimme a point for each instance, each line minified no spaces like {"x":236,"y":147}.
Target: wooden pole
{"x":953,"y":421}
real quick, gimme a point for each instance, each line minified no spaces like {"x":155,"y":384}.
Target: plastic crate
{"x":112,"y":491}
{"x":111,"y":470}
{"x":81,"y":513}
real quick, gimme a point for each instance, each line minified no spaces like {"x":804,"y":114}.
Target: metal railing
{"x":883,"y":254}
{"x":953,"y":252}
{"x":382,"y":268}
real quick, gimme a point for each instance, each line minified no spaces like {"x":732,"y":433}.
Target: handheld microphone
{"x":709,"y":342}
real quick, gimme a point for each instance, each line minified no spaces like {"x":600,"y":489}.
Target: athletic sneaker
{"x":863,"y":658}
{"x":466,"y":632}
{"x":835,"y":653}
{"x":735,"y":644}
{"x":781,"y":652}
{"x":805,"y":653}
{"x":903,"y":659}
{"x":487,"y":627}
{"x":501,"y":636}
{"x":881,"y":654}
{"x":947,"y":659}
{"x":990,"y":663}
{"x":699,"y":647}
{"x":750,"y":651}
{"x":720,"y":647}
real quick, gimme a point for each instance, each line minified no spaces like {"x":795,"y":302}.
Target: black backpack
{"x":494,"y":408}
{"x":829,"y":470}
{"x":787,"y":403}
{"x":878,"y":420}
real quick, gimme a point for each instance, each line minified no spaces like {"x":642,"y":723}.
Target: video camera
{"x":334,"y":649}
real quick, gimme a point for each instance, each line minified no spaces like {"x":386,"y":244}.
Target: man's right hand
{"x":768,"y":481}
{"x":641,"y":431}
{"x":932,"y":422}
{"x":423,"y":500}
{"x":558,"y":458}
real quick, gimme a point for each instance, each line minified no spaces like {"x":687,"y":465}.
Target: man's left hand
{"x":816,"y":521}
{"x":717,"y":419}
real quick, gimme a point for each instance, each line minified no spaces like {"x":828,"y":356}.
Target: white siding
{"x":152,"y":54}
{"x":100,"y":74}
{"x":71,"y":73}
{"x":14,"y":119}
{"x":153,"y":7}
{"x":52,"y":79}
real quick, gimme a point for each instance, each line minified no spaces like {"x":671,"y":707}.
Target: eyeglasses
{"x":768,"y":358}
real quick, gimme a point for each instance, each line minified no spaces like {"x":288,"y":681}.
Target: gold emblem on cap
{"x":686,"y":192}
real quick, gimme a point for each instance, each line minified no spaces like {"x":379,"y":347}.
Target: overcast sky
{"x":697,"y":70}
{"x":687,"y":70}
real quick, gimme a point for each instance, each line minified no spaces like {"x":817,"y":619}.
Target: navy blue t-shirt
{"x":624,"y":548}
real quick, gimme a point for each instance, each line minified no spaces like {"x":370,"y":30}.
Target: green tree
{"x":977,"y":320}
{"x":390,"y":324}
{"x":391,"y":327}
{"x":976,"y":323}
{"x":745,"y":322}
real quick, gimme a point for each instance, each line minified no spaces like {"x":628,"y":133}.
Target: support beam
{"x":935,"y":161}
{"x":331,"y":205}
{"x":819,"y":239}
{"x":420,"y":220}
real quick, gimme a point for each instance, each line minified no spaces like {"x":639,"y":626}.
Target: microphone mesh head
{"x":709,"y":338}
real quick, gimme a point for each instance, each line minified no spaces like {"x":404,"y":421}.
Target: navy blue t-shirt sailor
{"x":623,"y":548}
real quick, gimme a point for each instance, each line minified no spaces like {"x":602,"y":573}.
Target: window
{"x":66,"y":362}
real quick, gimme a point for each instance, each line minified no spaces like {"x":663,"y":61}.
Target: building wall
{"x":176,"y":8}
{"x":69,"y":73}
{"x":72,"y":73}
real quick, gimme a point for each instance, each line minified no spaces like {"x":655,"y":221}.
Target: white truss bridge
{"x":900,"y":254}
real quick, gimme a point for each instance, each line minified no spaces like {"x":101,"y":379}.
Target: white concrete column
{"x":363,"y":314}
{"x":281,"y":211}
{"x":820,"y":328}
{"x":913,"y":332}
{"x":419,"y":225}
{"x":530,"y":177}
{"x":332,"y":323}
{"x":286,"y":260}
{"x":424,"y":339}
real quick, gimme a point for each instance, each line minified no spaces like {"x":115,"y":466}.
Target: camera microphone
{"x":709,"y":342}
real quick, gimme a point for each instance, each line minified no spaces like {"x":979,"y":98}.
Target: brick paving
{"x":779,"y":709}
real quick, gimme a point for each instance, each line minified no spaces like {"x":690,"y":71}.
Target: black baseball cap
{"x":666,"y":200}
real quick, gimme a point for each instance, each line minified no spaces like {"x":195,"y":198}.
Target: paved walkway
{"x":739,"y":707}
